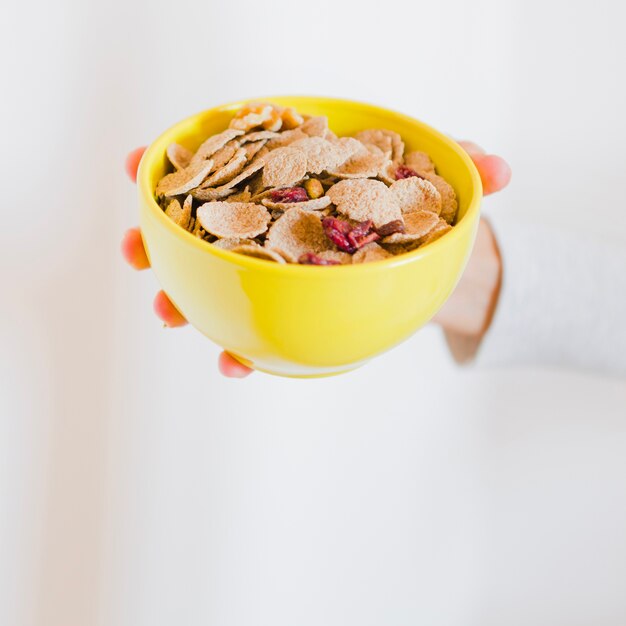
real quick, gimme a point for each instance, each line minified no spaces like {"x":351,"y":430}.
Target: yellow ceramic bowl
{"x":299,"y":320}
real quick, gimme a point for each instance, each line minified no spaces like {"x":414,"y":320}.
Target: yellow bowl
{"x":299,"y":320}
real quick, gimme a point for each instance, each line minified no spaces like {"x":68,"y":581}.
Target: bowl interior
{"x":345,"y":117}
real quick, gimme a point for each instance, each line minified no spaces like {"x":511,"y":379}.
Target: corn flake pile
{"x":281,"y":186}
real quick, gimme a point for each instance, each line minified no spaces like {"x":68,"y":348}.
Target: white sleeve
{"x":562,"y":301}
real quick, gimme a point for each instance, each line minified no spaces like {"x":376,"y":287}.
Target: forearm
{"x":562,"y":303}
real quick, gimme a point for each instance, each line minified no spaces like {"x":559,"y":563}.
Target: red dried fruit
{"x":289,"y":194}
{"x":363,"y":233}
{"x":348,"y":238}
{"x":359,"y":242}
{"x":405,"y":172}
{"x":308,"y":258}
{"x":337,"y":231}
{"x":390,"y":228}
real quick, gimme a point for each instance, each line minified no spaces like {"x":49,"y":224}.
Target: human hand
{"x":466,"y":315}
{"x":454,"y":317}
{"x":135,"y":254}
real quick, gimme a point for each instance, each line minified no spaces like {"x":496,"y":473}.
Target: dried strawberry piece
{"x":289,"y":194}
{"x":349,"y":238}
{"x":405,"y":172}
{"x":363,"y":233}
{"x":308,"y":258}
{"x":337,"y":231}
{"x":390,"y":228}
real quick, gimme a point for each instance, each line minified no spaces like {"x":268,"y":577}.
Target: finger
{"x":132,"y":162}
{"x":230,"y":367}
{"x":471,"y":148}
{"x":494,"y":171}
{"x":167,"y":312}
{"x":133,"y":250}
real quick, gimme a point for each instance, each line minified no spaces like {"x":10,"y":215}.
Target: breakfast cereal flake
{"x":416,"y":225}
{"x":209,"y":147}
{"x":178,"y":156}
{"x":182,"y":181}
{"x":365,"y":199}
{"x":282,"y":187}
{"x":233,"y":219}
{"x":297,"y":232}
{"x":416,"y":194}
{"x":284,"y":167}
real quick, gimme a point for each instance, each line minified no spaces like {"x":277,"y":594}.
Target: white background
{"x":139,"y":488}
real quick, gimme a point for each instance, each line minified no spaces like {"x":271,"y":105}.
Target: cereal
{"x":315,"y":126}
{"x":284,"y":167}
{"x":369,"y":253}
{"x":416,"y":225}
{"x":251,"y":169}
{"x":259,"y":135}
{"x":230,"y":243}
{"x":274,"y":121}
{"x":179,"y":215}
{"x":315,"y":204}
{"x":252,"y":115}
{"x":344,"y":258}
{"x":362,"y":165}
{"x":365,"y":199}
{"x":228,"y":171}
{"x":259,"y":252}
{"x":242,"y":196}
{"x":297,"y":232}
{"x":291,"y":118}
{"x":178,"y":156}
{"x":416,"y":194}
{"x":308,"y":258}
{"x":351,"y":147}
{"x":253,"y":148}
{"x":182,"y":181}
{"x":286,"y":138}
{"x":321,"y":154}
{"x":397,"y":226}
{"x":449,"y":203}
{"x":385,"y":139}
{"x":214,"y":143}
{"x":419,"y":162}
{"x":282,"y":187}
{"x":258,"y":155}
{"x":225,"y":154}
{"x":233,"y":219}
{"x":441,"y":228}
{"x":219,"y":193}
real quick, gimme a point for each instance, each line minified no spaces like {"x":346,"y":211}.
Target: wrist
{"x":467,"y":315}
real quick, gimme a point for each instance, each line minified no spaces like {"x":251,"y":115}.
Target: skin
{"x":464,"y":318}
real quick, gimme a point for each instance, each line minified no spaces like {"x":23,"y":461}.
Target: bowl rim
{"x":155,"y":151}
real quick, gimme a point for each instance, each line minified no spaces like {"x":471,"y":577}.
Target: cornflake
{"x":416,"y":194}
{"x":365,"y":199}
{"x":416,"y":225}
{"x":233,"y":219}
{"x":178,"y":156}
{"x":282,"y":187}
{"x":228,"y":171}
{"x":284,"y":167}
{"x":214,"y":143}
{"x":369,"y":253}
{"x":297,"y":232}
{"x":182,"y":181}
{"x":259,"y":252}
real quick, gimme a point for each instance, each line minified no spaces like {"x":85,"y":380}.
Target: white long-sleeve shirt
{"x":562,"y":301}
